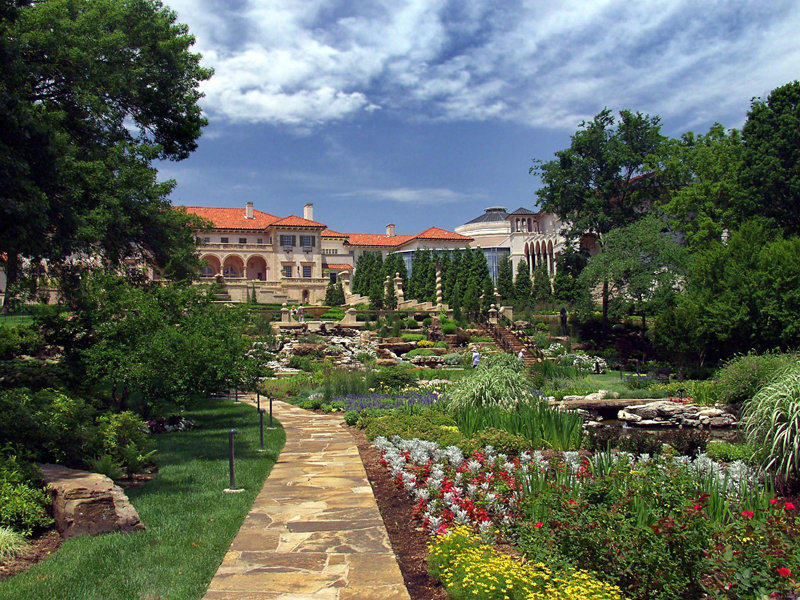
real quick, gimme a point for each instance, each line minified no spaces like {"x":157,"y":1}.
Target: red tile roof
{"x":333,"y":234}
{"x":437,"y":233}
{"x":232,"y":218}
{"x":295,"y":221}
{"x":376,"y":239}
{"x":338,"y":267}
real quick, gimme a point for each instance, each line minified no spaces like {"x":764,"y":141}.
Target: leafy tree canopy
{"x":91,"y":93}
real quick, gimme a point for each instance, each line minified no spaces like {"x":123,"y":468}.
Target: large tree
{"x":91,"y":93}
{"x":700,"y":175}
{"x":601,"y":181}
{"x":771,"y":159}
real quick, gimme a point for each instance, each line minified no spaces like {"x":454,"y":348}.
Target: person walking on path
{"x":564,"y":330}
{"x":521,"y":355}
{"x":476,"y":358}
{"x":301,"y":314}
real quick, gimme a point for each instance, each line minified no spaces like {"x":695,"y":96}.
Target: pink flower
{"x":538,"y":524}
{"x":575,"y":502}
{"x":748,"y":514}
{"x":789,"y":506}
{"x":774,"y":501}
{"x":784,"y":572}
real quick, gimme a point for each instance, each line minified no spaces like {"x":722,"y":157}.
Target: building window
{"x":306,"y":270}
{"x":307,"y":241}
{"x":242,"y":240}
{"x":223,"y":240}
{"x":260,"y":241}
{"x":288,"y":240}
{"x":206,"y":240}
{"x":287,"y":270}
{"x":208,"y":271}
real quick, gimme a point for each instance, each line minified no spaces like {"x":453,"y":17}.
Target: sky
{"x":426,"y":112}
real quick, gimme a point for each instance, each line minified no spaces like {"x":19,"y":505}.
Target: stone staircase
{"x":509,"y":341}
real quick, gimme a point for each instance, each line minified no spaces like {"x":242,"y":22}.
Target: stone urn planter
{"x":313,"y":313}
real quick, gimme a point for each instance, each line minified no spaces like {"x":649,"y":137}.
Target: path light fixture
{"x":261,"y":427}
{"x":232,"y":489}
{"x":271,"y":426}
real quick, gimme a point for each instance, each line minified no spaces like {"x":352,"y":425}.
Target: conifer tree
{"x":471,"y":302}
{"x":542,"y":289}
{"x":488,"y":294}
{"x":376,"y":295}
{"x":390,"y":297}
{"x":505,"y":279}
{"x":523,"y":285}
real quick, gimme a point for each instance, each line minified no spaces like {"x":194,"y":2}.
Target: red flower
{"x":789,"y":506}
{"x":696,"y":506}
{"x":784,"y":572}
{"x":748,"y":514}
{"x":538,"y":524}
{"x":575,"y":502}
{"x":774,"y":501}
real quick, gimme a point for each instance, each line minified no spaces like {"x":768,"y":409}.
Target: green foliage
{"x":334,"y":294}
{"x":498,"y":386}
{"x":23,"y":505}
{"x":523,"y":285}
{"x":351,"y":417}
{"x":121,"y":438}
{"x":566,"y":286}
{"x":391,"y":378}
{"x":453,"y":359}
{"x":771,"y":159}
{"x":542,"y":286}
{"x":413,"y":337}
{"x":728,"y":452}
{"x":772,"y":424}
{"x":701,"y":175}
{"x":499,"y":439}
{"x":740,"y":296}
{"x":419,"y":352}
{"x":106,"y":465}
{"x":19,"y":340}
{"x":505,"y":279}
{"x":744,"y":375}
{"x":429,"y":425}
{"x":502,"y":360}
{"x":83,"y":178}
{"x":157,"y":346}
{"x":300,"y":362}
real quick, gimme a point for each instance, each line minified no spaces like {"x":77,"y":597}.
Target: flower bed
{"x":665,"y":528}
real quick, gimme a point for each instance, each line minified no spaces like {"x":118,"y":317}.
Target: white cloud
{"x":406,"y":195}
{"x":301,"y":63}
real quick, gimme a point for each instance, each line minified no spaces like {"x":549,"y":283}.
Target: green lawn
{"x":14,"y":320}
{"x":190,"y":521}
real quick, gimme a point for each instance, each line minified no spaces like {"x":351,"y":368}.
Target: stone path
{"x":314,"y":530}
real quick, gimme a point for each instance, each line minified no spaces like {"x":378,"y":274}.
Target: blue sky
{"x":425,"y":112}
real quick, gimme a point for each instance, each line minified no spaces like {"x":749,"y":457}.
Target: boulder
{"x":304,"y":349}
{"x":386,"y":362}
{"x":88,"y":503}
{"x":628,"y":417}
{"x":398,"y":348}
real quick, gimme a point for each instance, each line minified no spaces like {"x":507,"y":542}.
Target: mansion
{"x":292,"y":259}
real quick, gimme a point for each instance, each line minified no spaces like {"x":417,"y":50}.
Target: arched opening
{"x":212,"y":266}
{"x":530,"y":225}
{"x":550,"y":262}
{"x":257,"y":268}
{"x":233,"y":267}
{"x":306,"y":296}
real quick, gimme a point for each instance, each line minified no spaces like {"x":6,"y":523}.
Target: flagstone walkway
{"x":314,"y":530}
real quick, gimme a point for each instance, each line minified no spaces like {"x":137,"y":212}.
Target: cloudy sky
{"x":425,"y":112}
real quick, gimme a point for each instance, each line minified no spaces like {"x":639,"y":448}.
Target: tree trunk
{"x":12,"y":274}
{"x":605,"y":302}
{"x":644,"y":324}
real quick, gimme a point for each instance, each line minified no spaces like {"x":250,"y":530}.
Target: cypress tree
{"x":390,"y":297}
{"x":523,"y":285}
{"x":542,"y":290}
{"x":505,"y":279}
{"x":488,"y":294}
{"x":376,"y":295}
{"x":471,"y":303}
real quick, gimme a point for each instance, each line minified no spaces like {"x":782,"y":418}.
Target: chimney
{"x":248,"y":211}
{"x":390,"y":230}
{"x":308,"y":212}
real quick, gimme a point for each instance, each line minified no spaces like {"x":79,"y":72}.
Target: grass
{"x":14,"y":320}
{"x":190,"y":521}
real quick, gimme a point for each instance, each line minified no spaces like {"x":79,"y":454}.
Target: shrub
{"x":441,"y":344}
{"x":480,"y":339}
{"x":425,"y":344}
{"x":449,"y":328}
{"x":22,"y":506}
{"x":429,"y":425}
{"x":106,"y":465}
{"x":426,"y":322}
{"x":419,"y":352}
{"x":392,"y":378}
{"x":20,"y":340}
{"x":300,"y":362}
{"x":453,"y":360}
{"x":413,"y":337}
{"x":728,"y":452}
{"x":122,"y":437}
{"x":11,"y":543}
{"x":351,"y":417}
{"x":501,"y":441}
{"x":503,"y":360}
{"x":743,"y":376}
{"x":365,"y":358}
{"x":772,"y":423}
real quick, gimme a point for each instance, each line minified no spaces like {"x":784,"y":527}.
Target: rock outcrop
{"x":664,"y":413}
{"x":88,"y":503}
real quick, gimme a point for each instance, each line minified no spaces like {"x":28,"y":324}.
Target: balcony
{"x":219,"y":246}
